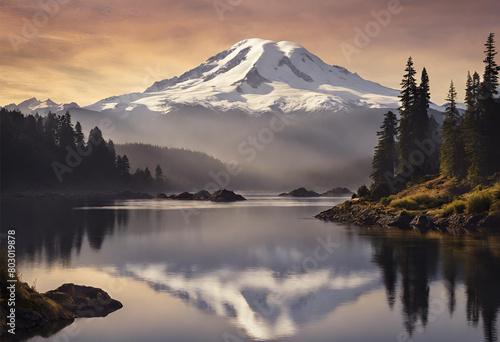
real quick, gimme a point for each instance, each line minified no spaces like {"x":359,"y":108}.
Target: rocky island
{"x":203,"y":195}
{"x":303,"y":192}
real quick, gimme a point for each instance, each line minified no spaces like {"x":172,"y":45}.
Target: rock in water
{"x":300,"y":192}
{"x":226,"y":196}
{"x":184,"y":196}
{"x":202,"y":195}
{"x":337,"y":192}
{"x":84,"y":301}
{"x":46,"y":314}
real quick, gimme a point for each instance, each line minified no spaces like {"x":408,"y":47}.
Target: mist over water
{"x":276,"y":151}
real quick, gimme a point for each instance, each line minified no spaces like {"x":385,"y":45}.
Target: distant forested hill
{"x":183,"y":168}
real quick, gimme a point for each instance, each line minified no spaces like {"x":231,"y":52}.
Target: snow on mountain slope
{"x":33,"y":105}
{"x":254,"y":75}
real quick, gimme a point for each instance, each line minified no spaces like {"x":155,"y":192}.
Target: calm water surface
{"x":262,"y":270}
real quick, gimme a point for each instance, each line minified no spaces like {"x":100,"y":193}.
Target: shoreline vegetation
{"x":430,"y":178}
{"x":434,"y":204}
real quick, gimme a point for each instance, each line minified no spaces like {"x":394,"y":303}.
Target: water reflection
{"x":265,"y":306}
{"x":254,"y":275}
{"x":418,"y":260}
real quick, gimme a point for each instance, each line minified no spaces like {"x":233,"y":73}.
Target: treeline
{"x":466,"y":147}
{"x":50,"y":151}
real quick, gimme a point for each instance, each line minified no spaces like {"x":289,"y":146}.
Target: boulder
{"x":84,"y":301}
{"x":400,"y":220}
{"x":225,"y":196}
{"x":422,"y":222}
{"x":46,"y":314}
{"x":300,"y":192}
{"x":183,"y":196}
{"x":202,"y":195}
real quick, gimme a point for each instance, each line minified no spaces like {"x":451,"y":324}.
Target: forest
{"x":42,"y":153}
{"x":465,"y":148}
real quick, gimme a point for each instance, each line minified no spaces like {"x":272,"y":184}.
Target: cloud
{"x":106,"y":47}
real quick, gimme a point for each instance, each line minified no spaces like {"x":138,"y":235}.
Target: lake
{"x":260,"y":270}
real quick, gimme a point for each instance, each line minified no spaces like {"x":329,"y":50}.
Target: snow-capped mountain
{"x":33,"y":105}
{"x":256,"y":75}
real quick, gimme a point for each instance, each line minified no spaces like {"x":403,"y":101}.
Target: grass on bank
{"x":443,"y":197}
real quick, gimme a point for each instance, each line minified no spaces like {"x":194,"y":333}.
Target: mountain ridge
{"x":254,"y":76}
{"x":257,"y":76}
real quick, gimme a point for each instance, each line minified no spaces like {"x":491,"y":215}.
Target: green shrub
{"x":421,"y":199}
{"x":405,"y":203}
{"x":478,"y":203}
{"x":385,"y":201}
{"x":455,"y":207}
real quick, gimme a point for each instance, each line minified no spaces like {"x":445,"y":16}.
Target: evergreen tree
{"x":490,"y":108}
{"x":385,"y":160}
{"x":490,"y":77}
{"x":50,"y":128}
{"x":65,"y":132}
{"x":414,"y":121}
{"x":119,"y":165}
{"x":126,"y":166}
{"x":139,"y":175}
{"x":471,"y":130}
{"x":424,"y":90}
{"x":79,"y":137}
{"x":406,"y":109}
{"x":147,"y":175}
{"x":452,"y":156}
{"x":422,"y":123}
{"x":158,"y":173}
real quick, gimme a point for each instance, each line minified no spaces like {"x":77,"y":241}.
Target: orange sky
{"x":86,"y":50}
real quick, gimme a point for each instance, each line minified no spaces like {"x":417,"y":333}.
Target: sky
{"x":87,"y":50}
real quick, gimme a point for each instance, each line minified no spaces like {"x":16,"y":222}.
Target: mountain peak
{"x":33,"y":105}
{"x":282,"y":74}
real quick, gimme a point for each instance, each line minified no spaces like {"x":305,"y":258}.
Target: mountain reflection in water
{"x":240,"y":262}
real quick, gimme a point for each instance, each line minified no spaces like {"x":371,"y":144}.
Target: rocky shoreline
{"x":420,"y":221}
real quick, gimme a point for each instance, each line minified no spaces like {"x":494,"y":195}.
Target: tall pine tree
{"x":423,"y":124}
{"x":452,"y":155}
{"x":385,"y":159}
{"x":490,"y":108}
{"x":471,"y":130}
{"x":406,"y":131}
{"x":414,"y":123}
